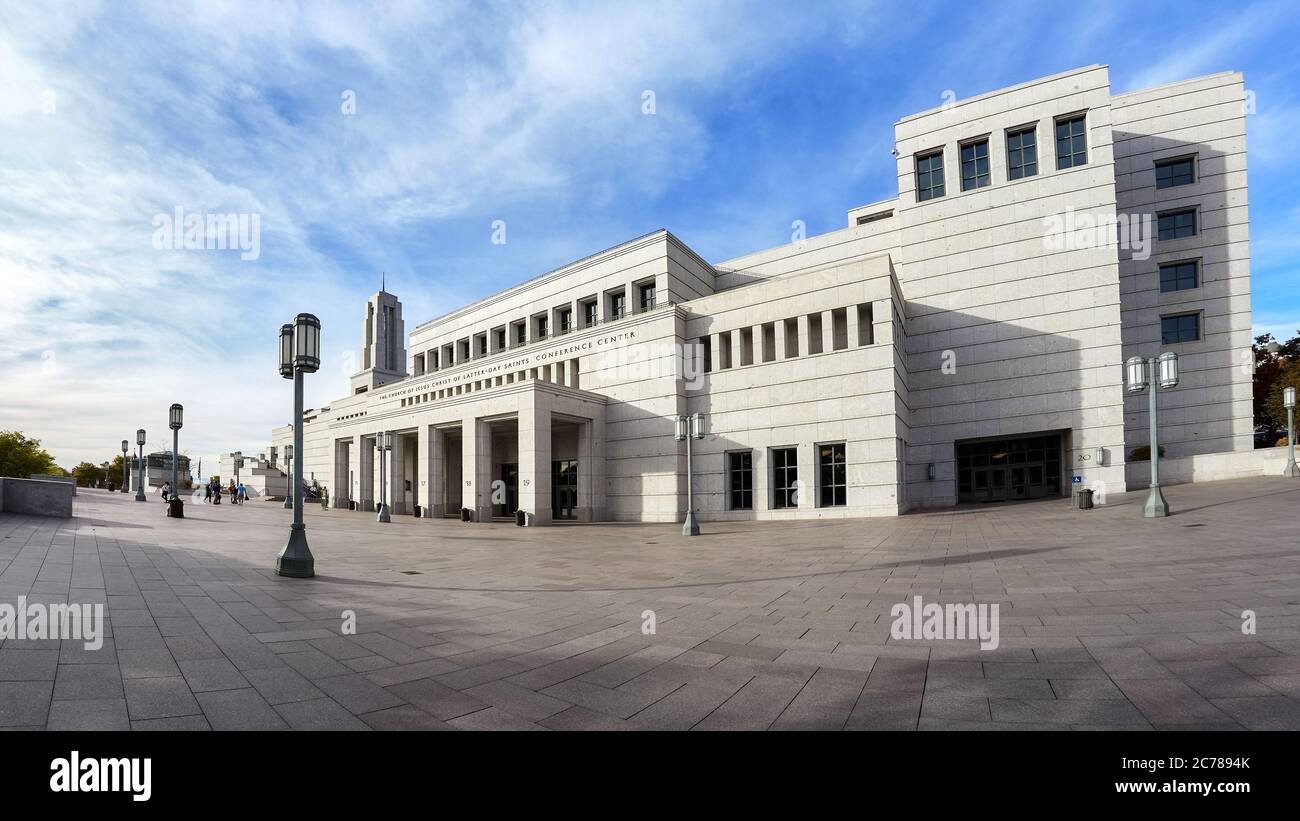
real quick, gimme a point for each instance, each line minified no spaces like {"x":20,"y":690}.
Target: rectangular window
{"x":419,"y":364}
{"x":647,"y":296}
{"x":589,"y":313}
{"x":1176,"y":224}
{"x":1178,"y":276}
{"x":1071,"y":142}
{"x":974,"y":165}
{"x":1022,"y":153}
{"x":482,"y":344}
{"x":929,"y":176}
{"x":617,"y":305}
{"x":566,"y":321}
{"x":501,"y":338}
{"x":785,"y":477}
{"x":1170,"y":173}
{"x":541,"y":327}
{"x":1180,"y":328}
{"x":521,"y":334}
{"x":740,"y":480}
{"x":832,"y":481}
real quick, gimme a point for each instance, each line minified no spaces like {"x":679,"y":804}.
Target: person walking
{"x":234,"y":499}
{"x":243,"y":493}
{"x":207,"y":493}
{"x":216,"y":493}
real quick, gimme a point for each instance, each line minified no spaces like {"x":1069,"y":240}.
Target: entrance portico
{"x":532,"y":445}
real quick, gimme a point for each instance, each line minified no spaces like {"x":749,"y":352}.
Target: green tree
{"x":87,"y":475}
{"x":1273,"y":371}
{"x":21,"y":457}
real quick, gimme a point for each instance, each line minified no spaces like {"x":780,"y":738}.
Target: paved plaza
{"x":1107,"y":620}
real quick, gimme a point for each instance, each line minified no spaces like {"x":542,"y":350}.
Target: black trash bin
{"x":176,"y":508}
{"x":418,"y":514}
{"x":465,"y":514}
{"x":521,"y":518}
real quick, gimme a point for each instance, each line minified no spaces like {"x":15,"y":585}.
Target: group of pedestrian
{"x":212,"y":492}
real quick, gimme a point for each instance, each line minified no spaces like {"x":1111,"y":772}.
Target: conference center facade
{"x":960,"y":342}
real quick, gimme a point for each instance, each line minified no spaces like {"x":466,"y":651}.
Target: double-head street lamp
{"x":139,"y":482}
{"x":105,"y":467}
{"x":1157,"y":372}
{"x":688,"y":428}
{"x":126,"y":468}
{"x":299,"y":354}
{"x":239,"y":463}
{"x":175,"y":420}
{"x":385,"y":441}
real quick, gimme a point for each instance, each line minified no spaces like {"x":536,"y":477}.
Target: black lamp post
{"x":299,"y":354}
{"x":139,"y":483}
{"x":126,"y":467}
{"x":175,"y":420}
{"x":105,"y":467}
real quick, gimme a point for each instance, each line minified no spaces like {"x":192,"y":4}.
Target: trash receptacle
{"x":521,"y":518}
{"x":1083,"y":498}
{"x":465,"y":514}
{"x":419,"y":514}
{"x":176,"y":509}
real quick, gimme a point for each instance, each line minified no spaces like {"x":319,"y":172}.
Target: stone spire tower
{"x":383,"y":343}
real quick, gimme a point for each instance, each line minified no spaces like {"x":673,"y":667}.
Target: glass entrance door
{"x":564,"y":489}
{"x":1027,"y":467}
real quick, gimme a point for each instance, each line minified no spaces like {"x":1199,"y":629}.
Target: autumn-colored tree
{"x":1273,"y":373}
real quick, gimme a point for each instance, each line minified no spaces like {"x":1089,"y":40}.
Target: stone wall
{"x":1209,"y":467}
{"x":36,"y":497}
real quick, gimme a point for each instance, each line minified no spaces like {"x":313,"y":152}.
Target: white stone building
{"x":960,"y":342}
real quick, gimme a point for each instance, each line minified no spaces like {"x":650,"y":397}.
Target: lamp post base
{"x":690,"y":527}
{"x":288,"y":503}
{"x":1291,"y":471}
{"x":295,"y":560}
{"x":383,"y":513}
{"x":1156,"y":506}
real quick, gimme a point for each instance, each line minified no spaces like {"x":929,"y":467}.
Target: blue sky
{"x":469,"y":113}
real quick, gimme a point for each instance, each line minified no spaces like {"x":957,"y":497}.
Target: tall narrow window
{"x":785,"y":477}
{"x":740,"y":480}
{"x":521,"y":334}
{"x":832,"y":480}
{"x":1071,"y":142}
{"x":617,"y":305}
{"x":566,"y":321}
{"x":1022,"y":153}
{"x":541,"y":327}
{"x":974,"y":165}
{"x":590,"y":313}
{"x":929,"y":175}
{"x":647,"y":296}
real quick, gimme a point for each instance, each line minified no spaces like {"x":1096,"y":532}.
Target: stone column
{"x":828,"y":331}
{"x":851,"y":313}
{"x":431,"y":446}
{"x":535,"y":457}
{"x":803,"y":335}
{"x":365,"y":473}
{"x":778,"y":332}
{"x":340,"y":488}
{"x":395,"y":467}
{"x":715,"y":351}
{"x":737,"y":348}
{"x":476,"y":459}
{"x":807,"y":476}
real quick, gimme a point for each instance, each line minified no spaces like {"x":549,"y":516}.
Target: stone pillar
{"x":366,"y":473}
{"x":851,"y":313}
{"x":737,"y":348}
{"x":535,"y":457}
{"x":778,"y":332}
{"x":715,"y":351}
{"x":803,"y":335}
{"x":476,"y":459}
{"x":828,"y":331}
{"x":341,"y":488}
{"x":431,"y":447}
{"x":395,"y":469}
